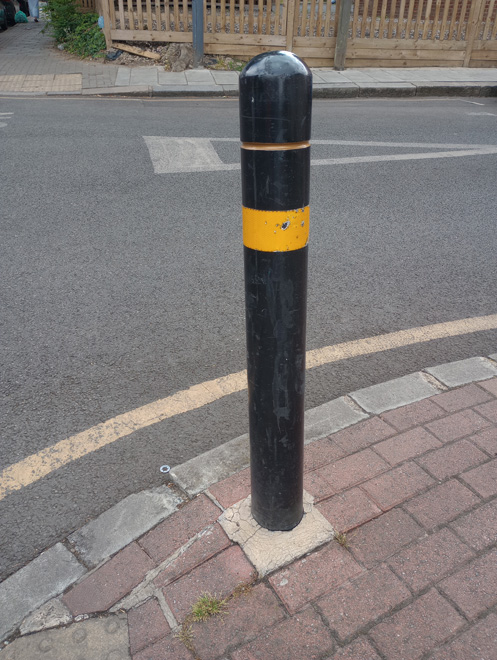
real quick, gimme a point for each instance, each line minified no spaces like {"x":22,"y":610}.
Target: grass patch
{"x":207,"y":606}
{"x":342,"y":539}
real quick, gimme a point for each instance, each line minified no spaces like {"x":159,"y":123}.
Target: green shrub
{"x":77,"y":31}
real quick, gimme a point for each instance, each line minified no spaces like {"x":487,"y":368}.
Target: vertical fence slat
{"x":158,"y":18}
{"x":319,"y":24}
{"x":452,"y":25}
{"x":419,"y":16}
{"x":260,"y":15}
{"x":185,"y":15}
{"x":337,"y":17}
{"x":364,"y":21}
{"x":139,"y":12}
{"x":312,"y":18}
{"x":148,"y":4}
{"x":494,"y":28}
{"x":427,"y":19}
{"x":355,"y":19}
{"x":443,"y":28}
{"x":232,"y":16}
{"x":251,"y":16}
{"x":176,"y":14}
{"x":410,"y":14}
{"x":462,"y":20}
{"x":488,"y":21}
{"x":400,"y":23}
{"x":300,"y":17}
{"x":383,"y":14}
{"x":223,"y":15}
{"x":374,"y":14}
{"x":241,"y":17}
{"x":291,"y":23}
{"x":436,"y":20}
{"x":268,"y":16}
{"x":391,"y":18}
{"x":474,"y":22}
{"x":122,"y":22}
{"x":277,"y":19}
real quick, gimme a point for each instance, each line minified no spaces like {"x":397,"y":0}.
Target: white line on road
{"x":173,"y":155}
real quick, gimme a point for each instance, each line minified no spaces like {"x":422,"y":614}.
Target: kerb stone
{"x":329,"y":418}
{"x":197,"y":474}
{"x":394,"y":393}
{"x":45,"y":577}
{"x":123,"y":523}
{"x":463,"y":371}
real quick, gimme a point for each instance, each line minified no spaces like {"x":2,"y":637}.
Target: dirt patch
{"x":177,"y":57}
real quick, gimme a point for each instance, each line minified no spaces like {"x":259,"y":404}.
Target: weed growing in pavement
{"x":342,"y":539}
{"x":207,"y":606}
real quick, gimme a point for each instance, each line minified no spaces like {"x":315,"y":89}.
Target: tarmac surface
{"x":30,"y":64}
{"x":401,"y":483}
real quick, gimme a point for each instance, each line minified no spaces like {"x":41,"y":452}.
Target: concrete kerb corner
{"x":58,"y":568}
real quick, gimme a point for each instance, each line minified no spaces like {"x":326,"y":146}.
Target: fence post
{"x":275,"y":126}
{"x":344,"y":8}
{"x":291,"y":20}
{"x":105,"y":9}
{"x":198,"y":31}
{"x":472,"y":28}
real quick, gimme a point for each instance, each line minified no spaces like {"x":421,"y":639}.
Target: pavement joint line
{"x":80,"y":574}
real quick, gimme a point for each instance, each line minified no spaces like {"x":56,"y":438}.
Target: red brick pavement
{"x":416,"y":493}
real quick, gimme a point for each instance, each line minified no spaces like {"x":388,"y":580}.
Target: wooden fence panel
{"x":381,"y":32}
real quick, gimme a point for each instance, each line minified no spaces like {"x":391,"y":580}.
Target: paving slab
{"x":395,"y":393}
{"x":102,"y":639}
{"x":462,"y":372}
{"x":199,"y":76}
{"x":123,"y":523}
{"x":43,"y":578}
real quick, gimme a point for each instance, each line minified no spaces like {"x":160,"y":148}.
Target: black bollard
{"x":275,"y":129}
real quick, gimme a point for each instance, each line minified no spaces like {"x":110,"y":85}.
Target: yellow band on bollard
{"x":275,"y":231}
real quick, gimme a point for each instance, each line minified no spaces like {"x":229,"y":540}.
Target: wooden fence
{"x":375,"y":32}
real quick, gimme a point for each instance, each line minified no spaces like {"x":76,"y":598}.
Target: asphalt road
{"x":121,"y":286}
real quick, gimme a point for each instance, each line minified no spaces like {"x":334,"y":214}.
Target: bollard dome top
{"x":275,"y":99}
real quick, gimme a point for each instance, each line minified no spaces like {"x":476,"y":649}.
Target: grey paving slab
{"x":330,"y":76}
{"x":357,"y":76}
{"x":462,"y":372}
{"x":50,"y":615}
{"x":172,"y":78}
{"x":225,"y":77}
{"x":379,"y":75}
{"x":95,"y":639}
{"x":493,"y":357}
{"x":45,"y":577}
{"x":123,"y":523}
{"x":395,"y":393}
{"x":123,"y":76}
{"x":199,"y":473}
{"x":144,"y":76}
{"x":329,"y":418}
{"x":199,"y":77}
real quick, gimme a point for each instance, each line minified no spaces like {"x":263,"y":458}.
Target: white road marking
{"x":482,"y":114}
{"x":172,"y":155}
